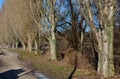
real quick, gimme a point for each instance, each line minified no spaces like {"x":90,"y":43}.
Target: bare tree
{"x":39,"y":15}
{"x":104,"y":36}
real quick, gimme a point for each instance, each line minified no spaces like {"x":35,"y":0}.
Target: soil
{"x":12,"y":68}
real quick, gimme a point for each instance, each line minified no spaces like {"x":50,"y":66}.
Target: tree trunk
{"x":23,"y":46}
{"x":13,"y":45}
{"x":105,"y":60}
{"x":38,"y":41}
{"x":29,"y":44}
{"x":52,"y":42}
{"x":16,"y":45}
{"x":81,"y":40}
{"x":9,"y":46}
{"x":74,"y":29}
{"x":36,"y":47}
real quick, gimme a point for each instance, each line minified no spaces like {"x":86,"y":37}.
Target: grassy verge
{"x":54,"y":69}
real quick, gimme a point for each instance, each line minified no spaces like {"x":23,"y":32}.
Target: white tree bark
{"x":52,"y":41}
{"x":13,"y":45}
{"x":23,"y":46}
{"x":36,"y":47}
{"x":105,"y":60}
{"x":29,"y":44}
{"x":16,"y":45}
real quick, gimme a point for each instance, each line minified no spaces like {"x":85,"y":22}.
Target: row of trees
{"x":27,"y":22}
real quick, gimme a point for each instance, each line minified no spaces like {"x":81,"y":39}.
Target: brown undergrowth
{"x":58,"y":69}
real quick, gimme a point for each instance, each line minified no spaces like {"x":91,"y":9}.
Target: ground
{"x":12,"y":68}
{"x":23,"y":65}
{"x":56,"y":69}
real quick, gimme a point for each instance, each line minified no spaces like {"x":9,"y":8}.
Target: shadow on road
{"x":11,"y":74}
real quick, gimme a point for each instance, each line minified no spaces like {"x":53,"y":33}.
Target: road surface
{"x":12,"y":68}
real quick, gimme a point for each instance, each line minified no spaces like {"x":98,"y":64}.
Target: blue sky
{"x":1,"y":3}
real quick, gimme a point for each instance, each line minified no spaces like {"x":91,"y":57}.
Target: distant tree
{"x":18,"y":23}
{"x":39,"y":14}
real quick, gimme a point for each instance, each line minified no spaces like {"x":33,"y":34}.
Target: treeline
{"x":31,"y":23}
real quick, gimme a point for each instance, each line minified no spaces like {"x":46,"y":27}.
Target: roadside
{"x":58,"y":69}
{"x":52,"y":69}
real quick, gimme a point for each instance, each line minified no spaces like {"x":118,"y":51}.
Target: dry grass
{"x":54,"y":69}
